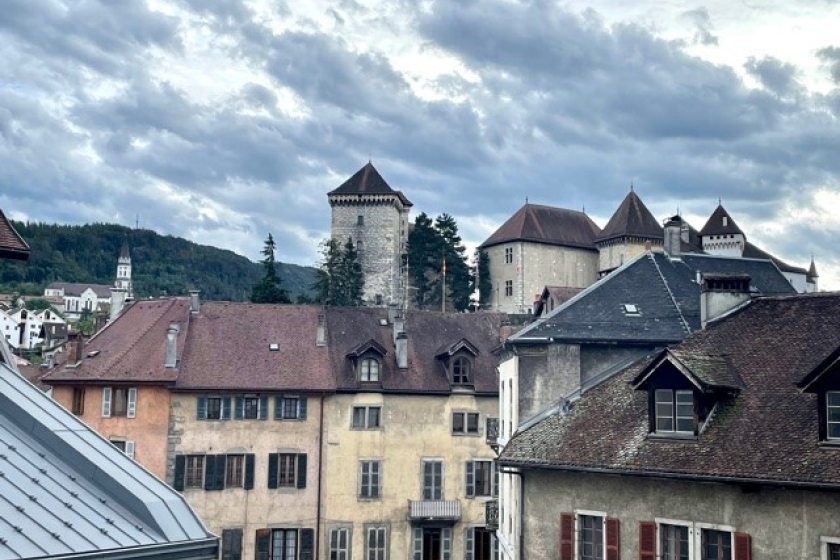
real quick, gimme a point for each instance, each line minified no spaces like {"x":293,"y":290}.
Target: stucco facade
{"x":616,"y":252}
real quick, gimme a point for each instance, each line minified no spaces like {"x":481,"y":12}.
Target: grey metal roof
{"x":66,"y":491}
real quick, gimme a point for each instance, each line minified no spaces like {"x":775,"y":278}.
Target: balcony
{"x":434,"y":510}
{"x":492,"y":432}
{"x":491,"y":515}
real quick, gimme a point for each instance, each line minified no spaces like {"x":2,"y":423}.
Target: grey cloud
{"x":775,"y":75}
{"x":703,"y":26}
{"x":831,"y":56}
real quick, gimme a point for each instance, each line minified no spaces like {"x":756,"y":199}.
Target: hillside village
{"x":646,"y":390}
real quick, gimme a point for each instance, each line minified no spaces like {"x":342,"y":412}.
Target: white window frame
{"x":828,"y":422}
{"x":341,"y":553}
{"x":128,"y":446}
{"x":591,"y":513}
{"x":429,"y":461}
{"x":508,"y":255}
{"x":692,"y":549}
{"x":824,"y":543}
{"x":130,"y":402}
{"x":674,"y":415}
{"x":378,"y":554}
{"x":698,"y":536}
{"x":367,"y":373}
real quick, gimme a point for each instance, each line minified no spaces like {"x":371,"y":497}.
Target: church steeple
{"x":124,"y":271}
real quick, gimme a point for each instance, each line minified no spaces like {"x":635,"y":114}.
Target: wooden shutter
{"x":567,"y":536}
{"x":470,"y":470}
{"x":302,"y":408}
{"x":278,"y":407}
{"x":249,"y":471}
{"x":613,"y":539}
{"x":231,"y":544}
{"x":263,"y":544}
{"x":495,"y":480}
{"x":469,"y":543}
{"x":647,"y":540}
{"x":221,"y":463}
{"x":273,"y":466}
{"x":239,"y":408}
{"x":131,"y":405}
{"x":417,"y":548}
{"x":263,"y":408}
{"x":743,"y":546}
{"x":201,"y":410}
{"x":226,"y":408}
{"x":180,"y":467}
{"x":301,"y":470}
{"x":129,"y":448}
{"x":210,"y":472}
{"x":307,"y":544}
{"x":106,"y":402}
{"x":446,"y":543}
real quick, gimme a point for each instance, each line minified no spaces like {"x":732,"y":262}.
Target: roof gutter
{"x":207,"y":548}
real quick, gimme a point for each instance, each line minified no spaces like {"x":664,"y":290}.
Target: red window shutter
{"x":743,"y":546}
{"x":613,"y":539}
{"x":567,"y":536}
{"x":647,"y":540}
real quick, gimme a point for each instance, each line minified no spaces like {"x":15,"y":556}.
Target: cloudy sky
{"x":223,"y":120}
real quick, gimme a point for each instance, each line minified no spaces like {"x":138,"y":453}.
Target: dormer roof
{"x":632,"y":219}
{"x":367,"y":181}
{"x":369,"y":346}
{"x":448,"y":350}
{"x":12,"y":245}
{"x":549,"y":225}
{"x":720,"y":223}
{"x":705,"y":371}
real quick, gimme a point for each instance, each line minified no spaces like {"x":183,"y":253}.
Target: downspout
{"x":320,"y":477}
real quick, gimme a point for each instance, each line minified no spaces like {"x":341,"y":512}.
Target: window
{"x":234,"y":471}
{"x":715,"y":545}
{"x":508,"y":255}
{"x":195,"y":471}
{"x":480,"y":544}
{"x":214,"y":472}
{"x":674,"y":411}
{"x":370,"y":479}
{"x":832,"y":400}
{"x":461,"y":371}
{"x":231,"y":544}
{"x":119,"y":401}
{"x":339,"y":544}
{"x":376,"y":543}
{"x":831,"y":550}
{"x":508,"y":288}
{"x":126,"y":446}
{"x":465,"y":423}
{"x":360,"y":220}
{"x":288,"y":407}
{"x":369,"y":371}
{"x":367,"y":417}
{"x":285,"y":544}
{"x":590,"y":537}
{"x":482,"y":479}
{"x":213,"y":408}
{"x":251,"y":408}
{"x":674,"y":542}
{"x":78,"y":401}
{"x":287,"y":470}
{"x":432,"y":480}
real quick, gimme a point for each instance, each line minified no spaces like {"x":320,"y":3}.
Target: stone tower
{"x":632,"y":230}
{"x":123,"y":280}
{"x":722,"y":236}
{"x":368,"y":211}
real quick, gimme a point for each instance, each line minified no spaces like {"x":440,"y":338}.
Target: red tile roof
{"x":12,"y":245}
{"x":547,"y":224}
{"x":367,"y":180}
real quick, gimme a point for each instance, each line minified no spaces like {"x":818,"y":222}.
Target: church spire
{"x":123,"y":279}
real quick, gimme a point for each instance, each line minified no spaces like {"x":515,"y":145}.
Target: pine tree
{"x":457,"y":269}
{"x":269,"y":290}
{"x":424,"y":260}
{"x":353,"y":278}
{"x":481,"y":280}
{"x":340,"y":278}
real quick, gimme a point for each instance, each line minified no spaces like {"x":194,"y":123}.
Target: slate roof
{"x":547,"y":224}
{"x":228,"y":347}
{"x":664,"y":291}
{"x":132,"y":348}
{"x":367,"y":180}
{"x":715,"y":225}
{"x":766,"y":433}
{"x":812,"y":271}
{"x":76,"y":289}
{"x":632,"y":219}
{"x":753,"y":252}
{"x":559,"y":294}
{"x":12,"y":245}
{"x":428,"y":333}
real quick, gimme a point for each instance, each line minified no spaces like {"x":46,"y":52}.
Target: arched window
{"x":461,"y":371}
{"x":370,"y":370}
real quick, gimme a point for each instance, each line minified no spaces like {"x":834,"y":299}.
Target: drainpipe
{"x":320,"y":476}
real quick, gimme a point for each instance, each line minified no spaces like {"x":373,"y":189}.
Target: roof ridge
{"x":126,"y":349}
{"x":685,"y":324}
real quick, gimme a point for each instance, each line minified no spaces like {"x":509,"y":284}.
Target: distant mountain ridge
{"x":161,"y":264}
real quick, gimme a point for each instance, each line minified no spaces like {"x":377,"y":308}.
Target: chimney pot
{"x":171,"y":359}
{"x":117,"y":303}
{"x":401,"y":349}
{"x":195,"y":302}
{"x":721,"y":293}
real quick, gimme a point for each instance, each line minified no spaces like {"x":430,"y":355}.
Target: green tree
{"x":353,"y":278}
{"x":453,"y":252}
{"x":340,"y":279}
{"x":424,"y":261}
{"x":481,"y":280}
{"x":269,"y":290}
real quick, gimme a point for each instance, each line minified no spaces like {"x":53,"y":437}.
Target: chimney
{"x":321,"y":332}
{"x":77,"y":347}
{"x":399,"y":326}
{"x":171,"y":359}
{"x":195,"y":303}
{"x":51,"y":361}
{"x":672,"y":237}
{"x":721,"y":293}
{"x":117,"y":303}
{"x":401,"y":344}
{"x":393,"y":313}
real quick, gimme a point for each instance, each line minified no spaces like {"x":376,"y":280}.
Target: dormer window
{"x":674,"y":411}
{"x":461,"y":371}
{"x":832,"y":403}
{"x":369,"y":370}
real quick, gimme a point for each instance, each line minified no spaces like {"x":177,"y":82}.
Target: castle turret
{"x":722,"y":236}
{"x":123,"y":280}
{"x":632,"y":229}
{"x":366,"y":210}
{"x":811,"y":284}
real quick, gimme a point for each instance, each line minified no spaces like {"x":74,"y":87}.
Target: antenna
{"x":631,"y":185}
{"x":137,"y":221}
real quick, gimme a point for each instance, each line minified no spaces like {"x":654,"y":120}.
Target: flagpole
{"x":443,"y":288}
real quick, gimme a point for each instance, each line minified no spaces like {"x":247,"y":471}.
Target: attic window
{"x":725,"y":221}
{"x":630,"y":309}
{"x":674,"y":411}
{"x":274,"y":347}
{"x":461,"y":371}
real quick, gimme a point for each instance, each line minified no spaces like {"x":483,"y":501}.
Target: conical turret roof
{"x":367,"y":180}
{"x":812,"y":271}
{"x":632,"y":219}
{"x":720,"y":223}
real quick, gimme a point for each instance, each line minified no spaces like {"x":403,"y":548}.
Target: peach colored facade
{"x":149,"y":429}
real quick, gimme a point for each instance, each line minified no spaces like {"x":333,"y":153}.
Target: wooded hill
{"x":161,"y":264}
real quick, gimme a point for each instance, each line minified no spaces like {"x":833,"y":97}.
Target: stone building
{"x":367,"y":211}
{"x":631,"y":231}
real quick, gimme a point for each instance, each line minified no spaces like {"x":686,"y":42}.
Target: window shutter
{"x":221,"y":461}
{"x":613,"y":538}
{"x":210,"y":472}
{"x":129,"y":448}
{"x":239,"y":410}
{"x":106,"y":402}
{"x":278,"y":407}
{"x":647,"y":540}
{"x":567,"y":536}
{"x":469,"y":543}
{"x":226,"y":416}
{"x":307,"y":542}
{"x":273,"y":465}
{"x":263,"y":408}
{"x":131,"y":406}
{"x":201,"y":409}
{"x":249,"y":471}
{"x":301,"y":470}
{"x":263,"y":544}
{"x":495,"y":480}
{"x":374,"y":479}
{"x":417,"y":553}
{"x":470,"y":470}
{"x":743,"y":546}
{"x":302,"y":408}
{"x":180,"y":467}
{"x":446,"y":543}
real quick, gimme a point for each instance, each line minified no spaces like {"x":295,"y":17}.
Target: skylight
{"x":274,"y":347}
{"x":631,"y":309}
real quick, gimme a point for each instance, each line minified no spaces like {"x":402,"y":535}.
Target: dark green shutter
{"x":221,"y":462}
{"x":201,"y":408}
{"x":226,"y":408}
{"x":273,"y":465}
{"x":302,"y":408}
{"x":301,"y":470}
{"x":210,"y":472}
{"x":239,"y":409}
{"x":278,"y":407}
{"x":180,"y":467}
{"x":263,"y":544}
{"x":263,"y":408}
{"x":417,"y":552}
{"x":307,"y":544}
{"x":249,"y":471}
{"x":470,"y":470}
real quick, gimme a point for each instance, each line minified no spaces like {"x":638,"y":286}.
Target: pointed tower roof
{"x":124,"y":252}
{"x":547,"y":224}
{"x":632,"y":219}
{"x":812,"y":271}
{"x":367,"y":180}
{"x":720,"y":223}
{"x":12,"y":245}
